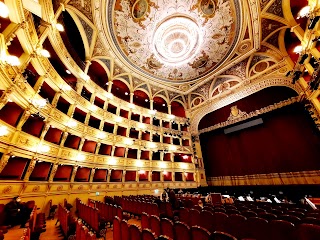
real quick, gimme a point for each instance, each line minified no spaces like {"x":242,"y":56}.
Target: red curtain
{"x":287,"y":141}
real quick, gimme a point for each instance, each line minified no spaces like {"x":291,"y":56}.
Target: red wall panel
{"x":167,"y":176}
{"x":143,"y":175}
{"x":72,"y":142}
{"x":11,"y":113}
{"x":116,"y":176}
{"x":40,"y":171}
{"x":119,"y":152}
{"x":53,"y":135}
{"x":105,"y":149}
{"x":100,"y":175}
{"x":155,"y":176}
{"x":14,"y":168}
{"x":130,"y":176}
{"x":89,"y":146}
{"x":63,"y":173}
{"x":33,"y":126}
{"x":83,"y":174}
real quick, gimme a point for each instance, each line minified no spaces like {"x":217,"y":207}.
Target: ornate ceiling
{"x":174,"y":41}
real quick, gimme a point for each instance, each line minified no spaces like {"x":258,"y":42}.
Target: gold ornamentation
{"x":36,"y":188}
{"x":7,"y":190}
{"x":235,"y":113}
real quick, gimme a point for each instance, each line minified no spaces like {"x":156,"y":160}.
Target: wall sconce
{"x":101,"y":135}
{"x":142,"y":172}
{"x":44,"y":148}
{"x":128,"y":141}
{"x":39,"y":103}
{"x":72,"y":124}
{"x":152,"y":112}
{"x":118,"y":119}
{"x":112,"y":161}
{"x":6,"y":58}
{"x":3,"y":131}
{"x":85,"y":77}
{"x":59,"y":27}
{"x":139,"y":163}
{"x":131,"y":106}
{"x":81,"y":157}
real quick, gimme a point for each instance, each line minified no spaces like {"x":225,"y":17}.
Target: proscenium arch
{"x":213,"y":104}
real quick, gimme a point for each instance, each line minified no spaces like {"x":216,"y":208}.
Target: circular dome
{"x":176,"y":40}
{"x":173,"y":41}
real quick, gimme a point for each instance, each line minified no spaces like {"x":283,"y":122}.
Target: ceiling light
{"x":126,"y":93}
{"x":146,"y":100}
{"x":4,"y":10}
{"x":163,"y":104}
{"x":304,"y":12}
{"x":3,"y":131}
{"x":67,"y":71}
{"x":12,"y":60}
{"x":298,"y":49}
{"x":59,"y":27}
{"x":45,"y":53}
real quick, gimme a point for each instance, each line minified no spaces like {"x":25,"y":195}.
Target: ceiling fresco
{"x":174,"y":41}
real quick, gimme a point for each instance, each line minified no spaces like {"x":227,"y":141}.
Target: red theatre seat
{"x":219,"y":221}
{"x":184,"y":215}
{"x":257,"y":228}
{"x":281,"y":230}
{"x":222,"y":236}
{"x":181,"y":231}
{"x":236,"y":224}
{"x":167,"y":227}
{"x":194,"y":217}
{"x":154,"y":223}
{"x":135,"y":232}
{"x":308,"y":232}
{"x":148,"y":235}
{"x":116,"y":229}
{"x":145,"y":221}
{"x":124,"y":230}
{"x":199,"y":233}
{"x":206,"y":219}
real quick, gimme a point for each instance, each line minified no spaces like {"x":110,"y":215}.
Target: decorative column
{"x":81,"y":143}
{"x":23,"y":119}
{"x":64,"y":138}
{"x":184,"y":177}
{"x":109,"y":175}
{"x":150,"y":176}
{"x":53,"y":172}
{"x":137,"y":176}
{"x":86,"y":120}
{"x":74,"y":172}
{"x":169,"y":108}
{"x":98,"y":148}
{"x":39,"y":84}
{"x":161,"y":176}
{"x":4,"y":160}
{"x":31,"y":166}
{"x":139,"y":154}
{"x":123,"y":176}
{"x":79,"y":85}
{"x":45,"y":129}
{"x":55,"y":99}
{"x":110,"y":86}
{"x":93,"y":170}
{"x":71,"y":110}
{"x":112,"y":150}
{"x":5,"y":98}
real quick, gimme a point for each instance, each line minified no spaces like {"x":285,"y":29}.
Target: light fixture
{"x":84,"y":77}
{"x":298,"y":49}
{"x":163,"y":104}
{"x":109,"y":95}
{"x":126,"y":93}
{"x":45,"y":53}
{"x":44,"y":148}
{"x":139,"y":163}
{"x":66,"y":87}
{"x":39,"y":103}
{"x":59,"y":27}
{"x":171,"y":116}
{"x":185,"y":156}
{"x":162,"y":165}
{"x":93,"y":107}
{"x":4,"y":10}
{"x":146,"y":100}
{"x":142,"y":172}
{"x":112,"y":161}
{"x":72,"y":124}
{"x":152,"y":112}
{"x":67,"y":71}
{"x":156,"y":191}
{"x":3,"y":131}
{"x":81,"y":157}
{"x":128,"y":141}
{"x":152,"y":145}
{"x":141,"y":126}
{"x":131,"y":105}
{"x":165,"y":172}
{"x":172,"y":148}
{"x":118,"y":119}
{"x":304,"y":12}
{"x":101,"y":135}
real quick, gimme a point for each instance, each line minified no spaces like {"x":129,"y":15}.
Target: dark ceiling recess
{"x":98,"y":74}
{"x":72,"y":39}
{"x":120,"y":90}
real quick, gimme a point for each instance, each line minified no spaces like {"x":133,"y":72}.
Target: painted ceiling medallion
{"x":179,"y":41}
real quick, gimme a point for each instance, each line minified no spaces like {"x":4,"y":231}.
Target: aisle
{"x":52,"y":232}
{"x":14,"y":233}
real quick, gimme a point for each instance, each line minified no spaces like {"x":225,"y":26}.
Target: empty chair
{"x":116,"y":228}
{"x":248,"y":214}
{"x":221,"y":236}
{"x":154,"y":223}
{"x":163,"y":237}
{"x":296,"y":213}
{"x":135,"y":232}
{"x":258,"y":210}
{"x":281,"y":230}
{"x":313,"y":214}
{"x":197,"y":207}
{"x":256,"y":228}
{"x":184,"y":215}
{"x":308,"y":232}
{"x":167,"y":227}
{"x":181,"y":231}
{"x":236,"y":225}
{"x":303,"y":210}
{"x":293,"y":219}
{"x":145,"y":220}
{"x":222,"y":210}
{"x":208,"y":208}
{"x":276,"y":211}
{"x":311,"y":220}
{"x":267,"y":216}
{"x":198,"y":233}
{"x":194,"y":217}
{"x":206,"y":219}
{"x":233,"y":211}
{"x":219,"y":221}
{"x":147,"y":235}
{"x":125,"y":235}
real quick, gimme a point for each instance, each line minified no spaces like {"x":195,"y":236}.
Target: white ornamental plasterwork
{"x":214,"y":104}
{"x":138,"y":23}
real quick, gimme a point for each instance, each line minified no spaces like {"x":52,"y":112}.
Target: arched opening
{"x":141,"y":99}
{"x":120,"y":90}
{"x":98,"y":74}
{"x":160,"y":104}
{"x":177,"y":109}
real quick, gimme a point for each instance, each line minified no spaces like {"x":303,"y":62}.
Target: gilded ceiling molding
{"x":252,"y":114}
{"x":242,"y":92}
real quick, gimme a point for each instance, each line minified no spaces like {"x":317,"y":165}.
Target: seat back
{"x":184,"y":215}
{"x":181,"y":231}
{"x":281,"y":230}
{"x":116,"y":228}
{"x":198,"y":233}
{"x":249,"y":214}
{"x":236,"y":225}
{"x":308,"y":232}
{"x":311,"y":220}
{"x":135,"y":232}
{"x":194,"y":217}
{"x":154,"y":223}
{"x":125,"y":235}
{"x":222,"y":236}
{"x":219,"y":222}
{"x":167,"y":227}
{"x":268,"y":216}
{"x":145,"y":221}
{"x":290,"y":218}
{"x":148,"y":235}
{"x":206,"y":219}
{"x":256,"y":228}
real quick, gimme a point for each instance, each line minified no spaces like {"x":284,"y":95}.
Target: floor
{"x":53,"y":233}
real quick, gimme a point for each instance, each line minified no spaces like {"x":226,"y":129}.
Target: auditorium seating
{"x":37,"y":223}
{"x":89,"y":215}
{"x":26,"y":234}
{"x":83,"y":233}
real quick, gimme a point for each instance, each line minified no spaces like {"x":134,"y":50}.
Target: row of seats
{"x":26,"y":235}
{"x":107,"y":211}
{"x":37,"y":223}
{"x":67,"y":221}
{"x":136,"y":207}
{"x":180,"y":231}
{"x":83,"y":233}
{"x":89,"y":215}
